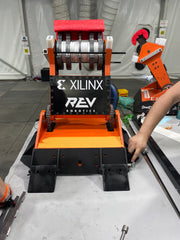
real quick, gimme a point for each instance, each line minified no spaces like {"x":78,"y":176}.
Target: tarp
{"x":79,"y":209}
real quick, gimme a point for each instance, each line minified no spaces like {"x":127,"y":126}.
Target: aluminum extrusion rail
{"x":8,"y":215}
{"x":169,"y":169}
{"x":148,"y":161}
{"x":157,"y":176}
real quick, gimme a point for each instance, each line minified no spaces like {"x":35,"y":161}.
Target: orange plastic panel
{"x":151,"y":92}
{"x":159,"y":72}
{"x":52,"y":70}
{"x":41,"y":128}
{"x":154,"y":63}
{"x":80,"y":133}
{"x":108,"y":62}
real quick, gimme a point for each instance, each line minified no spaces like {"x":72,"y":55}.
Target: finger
{"x":130,"y":147}
{"x":135,"y":155}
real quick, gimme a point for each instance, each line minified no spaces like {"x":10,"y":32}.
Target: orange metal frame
{"x":156,"y":66}
{"x":82,"y":132}
{"x":85,"y":131}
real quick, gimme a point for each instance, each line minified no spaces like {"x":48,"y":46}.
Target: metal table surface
{"x":79,"y":209}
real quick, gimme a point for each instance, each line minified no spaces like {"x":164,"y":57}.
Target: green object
{"x":127,"y":118}
{"x":178,"y":113}
{"x":126,"y":102}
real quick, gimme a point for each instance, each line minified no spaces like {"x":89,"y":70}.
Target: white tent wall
{"x":171,"y":56}
{"x":11,"y":46}
{"x":131,"y":16}
{"x":39,"y":20}
{"x":122,"y":19}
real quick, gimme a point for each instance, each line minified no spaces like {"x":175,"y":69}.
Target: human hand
{"x":137,"y":144}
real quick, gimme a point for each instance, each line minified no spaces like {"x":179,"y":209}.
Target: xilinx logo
{"x":82,"y":85}
{"x":60,"y":84}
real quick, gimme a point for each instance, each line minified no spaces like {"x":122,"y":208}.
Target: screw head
{"x":125,"y":228}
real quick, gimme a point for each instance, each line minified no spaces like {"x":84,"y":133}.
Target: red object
{"x":76,"y":26}
{"x":139,"y":33}
{"x":5,"y":194}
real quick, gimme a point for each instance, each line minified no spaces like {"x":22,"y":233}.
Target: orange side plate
{"x":79,"y":133}
{"x":151,"y":92}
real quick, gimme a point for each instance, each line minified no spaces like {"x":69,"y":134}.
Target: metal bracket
{"x":115,"y":177}
{"x":42,"y":178}
{"x":151,"y":55}
{"x":47,"y":163}
{"x":59,"y":54}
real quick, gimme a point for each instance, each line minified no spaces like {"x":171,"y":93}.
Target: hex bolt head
{"x":125,"y":228}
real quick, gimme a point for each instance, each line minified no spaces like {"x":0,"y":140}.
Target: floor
{"x":20,"y":104}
